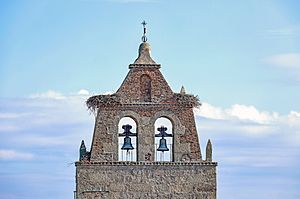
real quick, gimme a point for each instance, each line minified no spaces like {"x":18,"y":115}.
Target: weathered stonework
{"x":145,"y":96}
{"x":105,"y":140}
{"x":146,"y":180}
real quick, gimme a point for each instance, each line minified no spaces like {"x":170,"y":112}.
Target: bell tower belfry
{"x":156,"y":161}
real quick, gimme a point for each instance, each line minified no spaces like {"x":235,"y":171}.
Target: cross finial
{"x":144,"y":38}
{"x":144,"y":23}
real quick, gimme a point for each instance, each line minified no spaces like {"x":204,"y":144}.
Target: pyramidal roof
{"x":144,"y":76}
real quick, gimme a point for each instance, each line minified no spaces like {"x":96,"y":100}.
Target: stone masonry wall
{"x":125,"y":180}
{"x":185,"y":140}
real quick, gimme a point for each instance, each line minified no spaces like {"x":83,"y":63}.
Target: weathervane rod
{"x":144,"y":38}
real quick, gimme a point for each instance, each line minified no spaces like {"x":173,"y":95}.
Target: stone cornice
{"x":157,"y":66}
{"x":129,"y":163}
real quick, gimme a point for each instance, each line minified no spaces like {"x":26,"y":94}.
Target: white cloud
{"x":14,"y":155}
{"x":45,"y":109}
{"x":248,"y":120}
{"x":209,"y":111}
{"x":49,"y":95}
{"x":250,"y":143}
{"x":294,"y":116}
{"x":237,"y":112}
{"x":83,"y":92}
{"x":288,"y":60}
{"x":46,"y":119}
{"x":243,"y":112}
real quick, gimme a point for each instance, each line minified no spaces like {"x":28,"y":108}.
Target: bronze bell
{"x":127,"y":144}
{"x":163,"y":142}
{"x":162,"y":145}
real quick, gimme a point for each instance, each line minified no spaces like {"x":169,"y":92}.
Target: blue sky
{"x":242,"y":58}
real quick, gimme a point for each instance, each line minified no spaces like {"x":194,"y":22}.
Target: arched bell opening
{"x":127,"y":139}
{"x":163,"y":129}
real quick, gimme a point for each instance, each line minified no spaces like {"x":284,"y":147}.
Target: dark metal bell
{"x":127,"y":144}
{"x":162,"y":145}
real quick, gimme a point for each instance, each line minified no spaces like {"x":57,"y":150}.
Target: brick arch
{"x":133,"y":115}
{"x":166,"y":114}
{"x":168,"y":155}
{"x":130,"y":118}
{"x":168,"y":118}
{"x":136,"y":118}
{"x":177,"y":131}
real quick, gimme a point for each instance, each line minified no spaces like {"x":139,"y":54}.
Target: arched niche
{"x":123,"y":154}
{"x":145,"y":88}
{"x":166,"y":123}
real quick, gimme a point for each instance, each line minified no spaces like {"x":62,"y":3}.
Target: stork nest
{"x":187,"y":100}
{"x":94,"y":102}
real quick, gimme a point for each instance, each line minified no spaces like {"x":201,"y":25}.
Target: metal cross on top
{"x":144,"y":38}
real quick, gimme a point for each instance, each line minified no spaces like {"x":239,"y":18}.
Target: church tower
{"x":145,"y":142}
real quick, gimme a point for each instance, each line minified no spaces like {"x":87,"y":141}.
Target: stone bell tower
{"x":144,"y":97}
